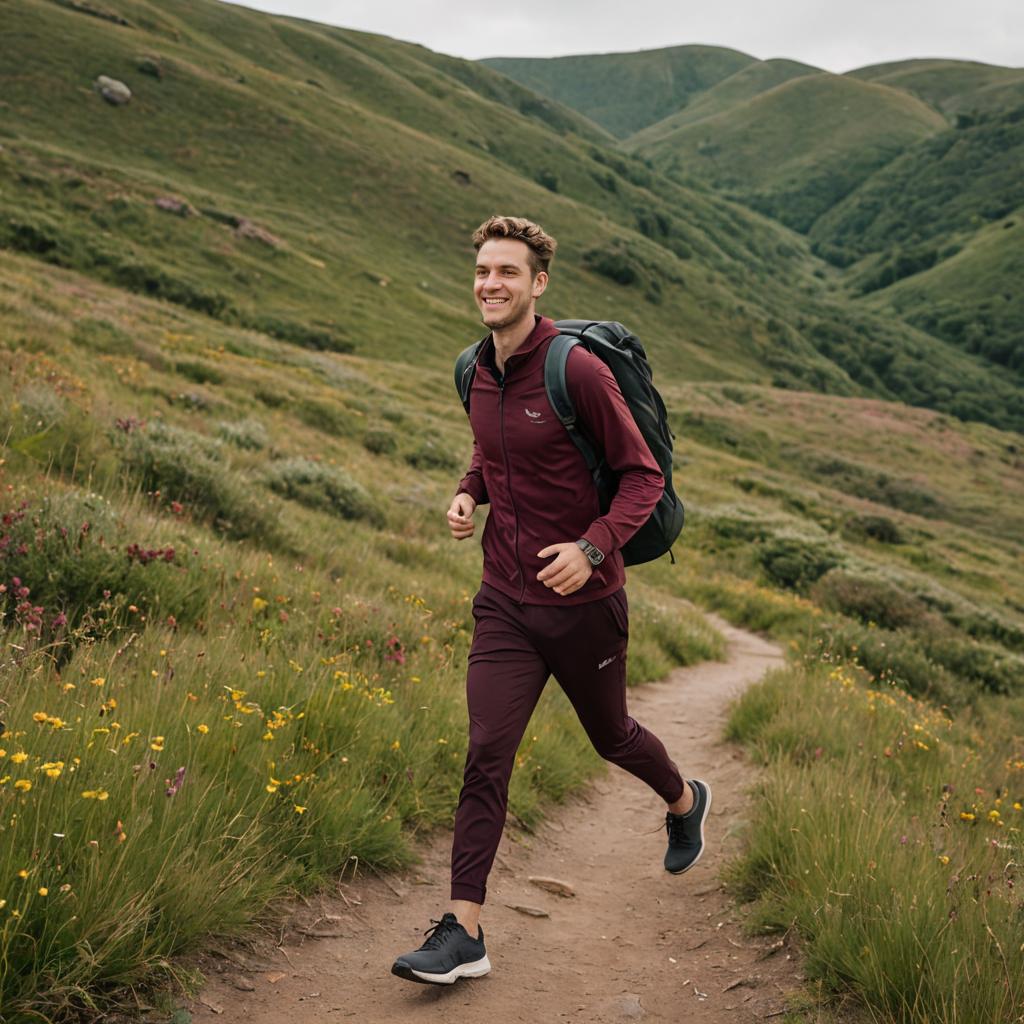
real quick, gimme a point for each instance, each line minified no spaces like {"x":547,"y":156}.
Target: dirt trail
{"x":633,"y":942}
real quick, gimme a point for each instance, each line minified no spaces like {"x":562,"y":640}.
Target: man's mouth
{"x":494,"y":302}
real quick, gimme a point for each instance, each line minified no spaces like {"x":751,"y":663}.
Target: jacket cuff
{"x":474,"y":488}
{"x":601,"y":537}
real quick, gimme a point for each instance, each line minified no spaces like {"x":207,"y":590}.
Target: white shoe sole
{"x":475,"y":969}
{"x":703,"y":818}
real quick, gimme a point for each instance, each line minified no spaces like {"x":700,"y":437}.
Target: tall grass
{"x":891,"y":837}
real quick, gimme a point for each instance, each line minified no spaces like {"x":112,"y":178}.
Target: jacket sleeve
{"x":606,"y":418}
{"x":473,"y":482}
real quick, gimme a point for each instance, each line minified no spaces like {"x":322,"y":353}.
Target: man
{"x":552,"y":600}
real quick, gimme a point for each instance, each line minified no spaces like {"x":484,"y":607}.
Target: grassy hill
{"x":745,"y":84}
{"x":788,"y":154}
{"x":953,"y":87}
{"x":624,"y":92}
{"x":235,"y":628}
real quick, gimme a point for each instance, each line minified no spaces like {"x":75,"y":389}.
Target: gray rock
{"x":112,"y":90}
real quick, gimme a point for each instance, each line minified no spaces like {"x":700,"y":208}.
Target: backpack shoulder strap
{"x":465,"y":370}
{"x":555,"y":363}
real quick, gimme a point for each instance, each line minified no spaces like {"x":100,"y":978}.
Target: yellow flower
{"x":271,"y":788}
{"x":966,"y":816}
{"x":52,"y":768}
{"x":158,"y":743}
{"x":268,"y":735}
{"x":1018,"y":806}
{"x":95,"y":794}
{"x":203,"y":728}
{"x":943,"y":859}
{"x":23,"y":784}
{"x":396,"y":745}
{"x":43,"y":891}
{"x":993,"y":814}
{"x":298,"y":809}
{"x":23,"y":873}
{"x":40,"y":716}
{"x":98,"y":681}
{"x":20,"y":757}
{"x":258,"y":604}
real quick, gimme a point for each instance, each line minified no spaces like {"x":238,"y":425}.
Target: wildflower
{"x":19,"y":758}
{"x":943,"y":859}
{"x":396,"y":745}
{"x":43,"y":891}
{"x":23,"y":873}
{"x":175,"y":785}
{"x":66,"y":887}
{"x":203,"y":728}
{"x":40,"y":716}
{"x":966,"y":816}
{"x":98,"y":681}
{"x":993,"y":815}
{"x":23,"y":784}
{"x":298,"y":809}
{"x":95,"y":794}
{"x":157,"y":743}
{"x":119,"y":832}
{"x":271,"y":788}
{"x":268,"y":735}
{"x":52,"y":768}
{"x":258,"y":604}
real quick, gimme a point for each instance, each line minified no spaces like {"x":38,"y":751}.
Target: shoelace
{"x":438,"y":933}
{"x":677,"y":830}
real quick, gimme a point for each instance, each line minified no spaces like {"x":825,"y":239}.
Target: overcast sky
{"x":831,"y":34}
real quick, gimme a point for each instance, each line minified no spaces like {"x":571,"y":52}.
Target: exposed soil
{"x":632,"y":943}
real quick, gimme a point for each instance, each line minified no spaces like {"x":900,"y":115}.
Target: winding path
{"x":633,"y":942}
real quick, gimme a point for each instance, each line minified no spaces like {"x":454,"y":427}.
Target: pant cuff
{"x":473,"y":893}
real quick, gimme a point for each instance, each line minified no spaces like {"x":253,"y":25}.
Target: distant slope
{"x":951,"y":86}
{"x":625,"y":92}
{"x":747,"y":83}
{"x":795,"y":151}
{"x":319,"y":185}
{"x":974,"y":298}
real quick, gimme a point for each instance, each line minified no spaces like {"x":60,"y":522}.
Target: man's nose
{"x":491,"y":281}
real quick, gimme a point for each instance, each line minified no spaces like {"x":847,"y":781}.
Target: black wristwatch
{"x":594,"y":555}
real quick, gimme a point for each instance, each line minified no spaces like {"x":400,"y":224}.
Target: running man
{"x":552,"y":600}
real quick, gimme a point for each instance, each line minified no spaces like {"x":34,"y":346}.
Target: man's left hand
{"x":568,"y":572}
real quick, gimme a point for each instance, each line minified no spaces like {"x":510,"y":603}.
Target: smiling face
{"x":506,"y":288}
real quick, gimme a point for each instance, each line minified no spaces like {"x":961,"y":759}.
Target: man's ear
{"x":540,"y":282}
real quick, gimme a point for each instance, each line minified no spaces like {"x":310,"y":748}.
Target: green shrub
{"x":181,"y":465}
{"x":430,"y":455}
{"x":102,"y":336}
{"x":322,"y":486}
{"x":795,"y":562}
{"x":872,"y":600}
{"x":327,"y":417}
{"x":249,"y":434}
{"x":380,"y":442}
{"x":877,"y":527}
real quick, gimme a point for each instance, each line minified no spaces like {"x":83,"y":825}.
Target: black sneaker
{"x":448,"y":954}
{"x":686,"y":831}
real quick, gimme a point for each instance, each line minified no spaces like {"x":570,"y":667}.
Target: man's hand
{"x":568,"y":572}
{"x":460,"y":516}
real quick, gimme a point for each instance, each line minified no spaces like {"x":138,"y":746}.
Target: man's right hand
{"x":460,"y":516}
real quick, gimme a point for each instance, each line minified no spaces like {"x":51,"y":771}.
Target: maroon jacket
{"x":537,"y":482}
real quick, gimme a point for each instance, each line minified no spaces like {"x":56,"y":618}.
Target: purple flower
{"x":175,"y":785}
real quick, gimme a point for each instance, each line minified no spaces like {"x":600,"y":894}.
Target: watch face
{"x":595,"y":556}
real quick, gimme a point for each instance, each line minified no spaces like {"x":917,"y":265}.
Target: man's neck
{"x":508,"y":339}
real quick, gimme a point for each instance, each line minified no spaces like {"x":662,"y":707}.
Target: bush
{"x":249,"y":434}
{"x":380,"y":442}
{"x":186,"y":467}
{"x":326,"y":417}
{"x":871,"y":600}
{"x":796,"y":562}
{"x":321,"y":486}
{"x":430,"y":455}
{"x":880,"y":528}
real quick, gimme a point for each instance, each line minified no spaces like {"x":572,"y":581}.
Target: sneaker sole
{"x":476,"y":969}
{"x":703,"y":818}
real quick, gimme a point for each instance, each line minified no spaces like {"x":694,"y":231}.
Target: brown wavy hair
{"x":541,"y":245}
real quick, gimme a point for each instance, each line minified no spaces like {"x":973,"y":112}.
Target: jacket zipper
{"x":508,"y":477}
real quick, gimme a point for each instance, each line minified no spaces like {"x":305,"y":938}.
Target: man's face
{"x":505,"y":289}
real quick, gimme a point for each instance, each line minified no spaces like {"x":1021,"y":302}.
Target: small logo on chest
{"x":534,"y":417}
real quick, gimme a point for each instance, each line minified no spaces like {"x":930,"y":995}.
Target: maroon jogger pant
{"x":515,"y":648}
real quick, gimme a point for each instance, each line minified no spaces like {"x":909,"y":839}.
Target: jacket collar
{"x":543,"y":328}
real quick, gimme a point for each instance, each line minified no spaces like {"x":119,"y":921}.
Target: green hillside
{"x":745,"y":84}
{"x":624,"y":92}
{"x":953,"y":87}
{"x":789,"y":153}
